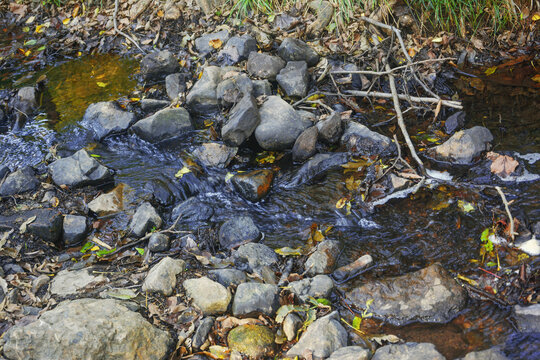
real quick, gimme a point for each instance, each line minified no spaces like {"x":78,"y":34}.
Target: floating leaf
{"x":182,"y":172}
{"x":215,"y":43}
{"x":393,"y":339}
{"x":229,"y":176}
{"x":341,"y":203}
{"x":465,"y":206}
{"x":502,"y":165}
{"x":95,"y":155}
{"x":490,"y":70}
{"x":288,"y":251}
{"x":140,"y":251}
{"x":101,"y":84}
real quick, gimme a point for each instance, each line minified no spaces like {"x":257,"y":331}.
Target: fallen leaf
{"x":215,"y":43}
{"x":18,"y":9}
{"x":502,"y":165}
{"x":4,"y":238}
{"x":66,"y":21}
{"x":341,"y":203}
{"x":477,"y":43}
{"x":182,"y":172}
{"x":536,"y":78}
{"x":536,"y":17}
{"x":288,"y":251}
{"x":101,"y":84}
{"x":490,"y":70}
{"x":22,"y":229}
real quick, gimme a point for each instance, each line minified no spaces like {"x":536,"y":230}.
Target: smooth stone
{"x":87,"y":329}
{"x":255,"y":255}
{"x":215,"y":155}
{"x":202,"y":98}
{"x":294,"y":79}
{"x":494,"y":353}
{"x":292,"y":49}
{"x":408,"y":351}
{"x":528,"y":317}
{"x":164,"y":125}
{"x":175,"y":84}
{"x":464,"y":146}
{"x":228,"y":277}
{"x":351,"y":353}
{"x":209,"y":296}
{"x":144,"y":219}
{"x":261,"y":87}
{"x":359,"y":140}
{"x":330,"y":129}
{"x":75,"y":228}
{"x":253,"y":185}
{"x":353,"y":268}
{"x":159,"y":64}
{"x":255,"y":298}
{"x":291,"y":324}
{"x":158,"y":242}
{"x":264,"y":66}
{"x":19,"y":181}
{"x":320,"y":286}
{"x":202,"y":331}
{"x":79,"y":169}
{"x":243,"y":120}
{"x":68,"y":282}
{"x":108,"y":203}
{"x":237,"y":49}
{"x":106,"y":119}
{"x":237,"y":231}
{"x":162,"y":277}
{"x":153,"y":105}
{"x":316,"y":167}
{"x":232,"y":89}
{"x":323,"y":259}
{"x":254,"y":341}
{"x":305,"y":145}
{"x":203,"y":43}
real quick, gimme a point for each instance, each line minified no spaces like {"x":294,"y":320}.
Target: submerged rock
{"x":204,"y":44}
{"x":427,"y":295}
{"x":359,"y":140}
{"x":254,"y":341}
{"x":68,"y":282}
{"x":192,"y":211}
{"x":243,"y":120}
{"x":528,"y":317}
{"x":163,"y":125}
{"x":214,"y":154}
{"x":202,"y":98}
{"x":305,"y":145}
{"x":162,"y":277}
{"x":317,"y":167}
{"x":106,"y":118}
{"x":294,"y":78}
{"x":237,"y":49}
{"x":144,"y":219}
{"x":237,"y":231}
{"x":464,"y":145}
{"x":264,"y":66}
{"x":255,"y":298}
{"x":19,"y":181}
{"x":407,"y":351}
{"x":209,"y":296}
{"x":79,"y":169}
{"x":87,"y":329}
{"x":159,"y":64}
{"x":254,"y":185}
{"x":292,"y":49}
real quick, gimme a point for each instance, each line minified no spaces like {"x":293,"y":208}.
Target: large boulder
{"x":164,"y":125}
{"x":264,"y":66}
{"x":294,"y":79}
{"x":19,"y":181}
{"x":280,"y":125}
{"x":106,"y":118}
{"x":292,"y":49}
{"x":464,"y":146}
{"x":87,"y":329}
{"x":202,"y":99}
{"x":408,"y":351}
{"x":427,"y":295}
{"x":159,"y":64}
{"x":359,"y":140}
{"x":243,"y":120}
{"x":79,"y":169}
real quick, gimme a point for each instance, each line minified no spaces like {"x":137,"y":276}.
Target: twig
{"x":118,"y":31}
{"x":449,"y":103}
{"x":401,"y":122}
{"x":380,"y":73}
{"x":507,"y":208}
{"x":95,"y":240}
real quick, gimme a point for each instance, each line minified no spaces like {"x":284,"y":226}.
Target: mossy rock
{"x":255,"y":341}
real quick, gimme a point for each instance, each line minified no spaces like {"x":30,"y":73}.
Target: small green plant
{"x":357,"y":321}
{"x":488,"y":249}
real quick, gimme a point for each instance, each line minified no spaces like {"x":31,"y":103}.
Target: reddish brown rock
{"x":254,"y":185}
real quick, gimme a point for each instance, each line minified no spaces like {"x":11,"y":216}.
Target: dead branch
{"x":118,"y":31}
{"x":376,"y":94}
{"x":381,"y":73}
{"x":507,"y":208}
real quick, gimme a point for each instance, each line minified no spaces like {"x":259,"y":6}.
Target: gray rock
{"x":398,"y":183}
{"x":243,"y":120}
{"x":494,"y":353}
{"x":231,"y":90}
{"x":237,"y":231}
{"x":359,"y":140}
{"x":228,"y":277}
{"x":317,"y":167}
{"x":157,"y":65}
{"x":255,"y":298}
{"x":202,"y":98}
{"x":108,"y":203}
{"x":350,"y":270}
{"x":351,"y":353}
{"x":106,"y":118}
{"x":144,"y":219}
{"x":209,"y":296}
{"x":193,"y":211}
{"x":292,"y":49}
{"x":237,"y":49}
{"x":320,"y":286}
{"x":4,"y":170}
{"x":67,"y":282}
{"x":153,"y":105}
{"x":162,"y":191}
{"x":294,"y":79}
{"x":203,"y":43}
{"x":264,"y":66}
{"x":261,"y":87}
{"x":427,"y":295}
{"x":253,"y":185}
{"x":158,"y":242}
{"x":330,"y":129}
{"x":25,"y":103}
{"x":215,"y":155}
{"x":323,"y":260}
{"x":47,"y":225}
{"x":291,"y":324}
{"x":202,"y":331}
{"x":305,"y":145}
{"x":321,"y":339}
{"x":408,"y":351}
{"x":454,"y":122}
{"x":79,"y":169}
{"x":19,"y":181}
{"x":528,"y":317}
{"x":75,"y":229}
{"x":255,"y":255}
{"x":87,"y":329}
{"x":308,"y":118}
{"x":175,"y":84}
{"x":280,"y":125}
{"x":164,"y":125}
{"x":464,"y":145}
{"x":162,"y":277}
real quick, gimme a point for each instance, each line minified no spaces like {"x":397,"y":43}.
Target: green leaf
{"x":288,"y":251}
{"x":491,"y":263}
{"x":182,"y":172}
{"x":324,"y":301}
{"x":357,"y":321}
{"x":104,"y":252}
{"x":485,"y":235}
{"x":87,"y":246}
{"x":41,"y":48}
{"x":465,"y":206}
{"x":95,"y":155}
{"x":140,"y":251}
{"x":311,"y":317}
{"x":30,"y":42}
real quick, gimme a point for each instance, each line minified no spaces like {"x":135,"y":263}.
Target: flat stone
{"x":254,"y":341}
{"x":407,"y":351}
{"x":209,"y":296}
{"x":323,"y":259}
{"x":264,"y":66}
{"x":528,"y":317}
{"x":68,"y":282}
{"x":153,"y":105}
{"x":79,"y":169}
{"x":164,"y":125}
{"x":19,"y":181}
{"x":202,"y":98}
{"x":255,"y":298}
{"x":228,"y":277}
{"x":243,"y":120}
{"x":75,"y":228}
{"x":292,"y":49}
{"x":237,"y":49}
{"x":237,"y":231}
{"x":215,"y":155}
{"x":87,"y":329}
{"x":144,"y":219}
{"x":351,"y":353}
{"x":255,"y":255}
{"x":294,"y":79}
{"x":305,"y":145}
{"x":253,"y":185}
{"x":108,"y":203}
{"x":204,"y":43}
{"x":320,"y":286}
{"x":464,"y":146}
{"x":106,"y":119}
{"x":162,"y":277}
{"x":359,"y":140}
{"x":157,"y":65}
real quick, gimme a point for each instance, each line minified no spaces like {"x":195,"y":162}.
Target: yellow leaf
{"x":228,"y":176}
{"x":341,"y":203}
{"x":315,"y":97}
{"x":95,"y":248}
{"x":215,"y":43}
{"x":27,"y":53}
{"x":470,"y":281}
{"x":79,"y":53}
{"x":536,"y":78}
{"x":39,"y":29}
{"x":66,"y":21}
{"x":465,"y":206}
{"x":318,"y":236}
{"x":101,"y":84}
{"x":348,"y":208}
{"x":490,"y":70}
{"x":536,"y":17}
{"x":288,"y":251}
{"x":134,"y":99}
{"x":160,"y":13}
{"x":182,"y":172}
{"x":55,"y":202}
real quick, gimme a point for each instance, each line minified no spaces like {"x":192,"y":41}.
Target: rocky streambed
{"x":213,"y":213}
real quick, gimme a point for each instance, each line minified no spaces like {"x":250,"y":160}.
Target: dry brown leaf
{"x":215,"y":43}
{"x":18,"y":9}
{"x":502,"y":165}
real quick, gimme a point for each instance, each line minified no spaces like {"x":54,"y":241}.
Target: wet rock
{"x":320,"y":286}
{"x":350,"y":270}
{"x":202,"y":331}
{"x":163,"y":125}
{"x":19,"y":181}
{"x":397,"y":182}
{"x":291,"y":324}
{"x":215,"y":155}
{"x":79,"y":169}
{"x":159,"y":64}
{"x":144,"y":219}
{"x":68,"y":282}
{"x":237,"y":49}
{"x":292,"y":49}
{"x":161,"y":191}
{"x":264,"y":66}
{"x":87,"y":329}
{"x":106,"y":118}
{"x":528,"y":317}
{"x":254,"y":185}
{"x":294,"y":79}
{"x":321,"y":339}
{"x":25,"y":103}
{"x":408,"y":351}
{"x":280,"y":125}
{"x":231,"y":90}
{"x":75,"y":228}
{"x":323,"y":260}
{"x":175,"y":84}
{"x":237,"y":231}
{"x":255,"y":255}
{"x":454,"y":122}
{"x":153,"y":105}
{"x":255,"y":298}
{"x":202,"y":98}
{"x":203,"y":43}
{"x":243,"y":120}
{"x":316,"y":167}
{"x":158,"y":242}
{"x":209,"y":296}
{"x":351,"y":353}
{"x":228,"y":277}
{"x":494,"y":353}
{"x":427,"y":295}
{"x":305,"y":145}
{"x":109,"y":203}
{"x":162,"y":277}
{"x":330,"y":129}
{"x":4,"y":170}
{"x":359,"y":140}
{"x":261,"y":87}
{"x":464,"y":146}
{"x":254,"y":341}
{"x":47,"y":225}
{"x":192,"y":211}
